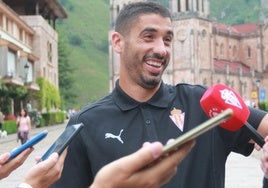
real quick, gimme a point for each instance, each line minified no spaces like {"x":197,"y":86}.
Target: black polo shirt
{"x":117,"y":126}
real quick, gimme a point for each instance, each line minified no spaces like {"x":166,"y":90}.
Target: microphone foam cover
{"x":220,"y":97}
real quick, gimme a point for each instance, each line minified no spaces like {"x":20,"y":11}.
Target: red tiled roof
{"x":223,"y":27}
{"x":234,"y":66}
{"x":246,"y":28}
{"x":239,"y":29}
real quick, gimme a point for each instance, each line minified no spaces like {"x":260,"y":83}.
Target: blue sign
{"x":262,"y":96}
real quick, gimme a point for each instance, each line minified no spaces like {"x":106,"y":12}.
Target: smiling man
{"x":144,"y":52}
{"x":142,"y":108}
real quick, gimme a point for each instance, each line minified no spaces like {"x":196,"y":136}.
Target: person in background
{"x":142,"y":108}
{"x":29,"y":106}
{"x":24,"y":126}
{"x":1,"y":120}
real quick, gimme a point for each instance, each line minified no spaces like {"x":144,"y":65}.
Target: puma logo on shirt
{"x":118,"y":137}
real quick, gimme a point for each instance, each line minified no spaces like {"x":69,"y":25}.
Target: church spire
{"x":199,"y":8}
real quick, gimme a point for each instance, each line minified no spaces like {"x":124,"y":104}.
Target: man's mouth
{"x":154,"y":64}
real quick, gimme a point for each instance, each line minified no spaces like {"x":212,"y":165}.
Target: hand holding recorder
{"x":144,"y":168}
{"x":220,"y":97}
{"x":63,"y":141}
{"x":28,"y":144}
{"x":48,"y":171}
{"x":198,"y":130}
{"x":6,"y":166}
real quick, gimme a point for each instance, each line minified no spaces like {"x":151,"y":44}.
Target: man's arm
{"x":263,"y":127}
{"x":264,"y":158}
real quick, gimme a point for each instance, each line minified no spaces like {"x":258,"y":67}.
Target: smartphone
{"x":63,"y":140}
{"x":34,"y":140}
{"x":200,"y":129}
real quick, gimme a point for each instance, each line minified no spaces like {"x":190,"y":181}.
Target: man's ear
{"x":117,"y":42}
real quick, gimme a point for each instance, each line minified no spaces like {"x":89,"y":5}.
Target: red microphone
{"x":220,"y":97}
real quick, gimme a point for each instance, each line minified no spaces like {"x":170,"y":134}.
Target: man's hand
{"x":144,"y":168}
{"x":6,"y":167}
{"x":264,"y":158}
{"x":46,"y":172}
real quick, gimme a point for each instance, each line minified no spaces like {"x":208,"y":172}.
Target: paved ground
{"x":241,"y":172}
{"x":9,"y":143}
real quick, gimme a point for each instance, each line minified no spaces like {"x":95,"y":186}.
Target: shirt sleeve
{"x":238,"y":141}
{"x":256,"y":116}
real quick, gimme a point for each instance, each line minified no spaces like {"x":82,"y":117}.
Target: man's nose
{"x":160,"y":48}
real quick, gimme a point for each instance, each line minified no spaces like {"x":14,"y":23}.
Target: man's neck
{"x":137,"y":92}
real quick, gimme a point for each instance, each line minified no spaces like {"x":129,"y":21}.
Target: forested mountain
{"x":236,"y":11}
{"x":86,"y":35}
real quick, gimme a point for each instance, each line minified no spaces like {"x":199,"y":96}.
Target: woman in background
{"x":24,"y":126}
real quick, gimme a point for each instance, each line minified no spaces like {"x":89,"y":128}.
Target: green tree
{"x":48,"y":96}
{"x":236,"y":11}
{"x":66,"y":70}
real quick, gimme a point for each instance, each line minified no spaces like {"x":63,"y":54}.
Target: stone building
{"x":207,"y":52}
{"x":29,"y":43}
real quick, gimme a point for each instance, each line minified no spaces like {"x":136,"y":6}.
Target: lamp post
{"x":26,"y":68}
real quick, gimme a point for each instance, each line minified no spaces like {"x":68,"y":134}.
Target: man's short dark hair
{"x":131,"y":13}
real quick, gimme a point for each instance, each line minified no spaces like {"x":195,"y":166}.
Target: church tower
{"x":188,"y":7}
{"x":192,"y":56}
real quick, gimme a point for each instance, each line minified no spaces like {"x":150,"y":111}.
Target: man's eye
{"x":167,"y":42}
{"x":168,"y":39}
{"x":148,"y":36}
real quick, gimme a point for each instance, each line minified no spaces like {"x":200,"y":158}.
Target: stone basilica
{"x":207,"y":52}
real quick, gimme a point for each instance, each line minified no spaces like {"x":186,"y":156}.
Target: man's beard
{"x":150,"y":83}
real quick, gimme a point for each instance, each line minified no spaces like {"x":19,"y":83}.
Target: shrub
{"x":52,"y":118}
{"x":263,"y":105}
{"x":10,"y":117}
{"x":10,"y":126}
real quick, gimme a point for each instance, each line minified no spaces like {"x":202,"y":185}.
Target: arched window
{"x":187,"y":5}
{"x":179,"y":5}
{"x":117,"y":9}
{"x":249,"y":52}
{"x":11,"y":63}
{"x":221,"y":49}
{"x":49,"y":51}
{"x":205,"y":82}
{"x":204,"y":34}
{"x":234,"y":51}
{"x":216,"y":49}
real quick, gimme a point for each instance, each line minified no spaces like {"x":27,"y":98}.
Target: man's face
{"x":146,"y":50}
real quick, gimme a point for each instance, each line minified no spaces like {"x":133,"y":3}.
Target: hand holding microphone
{"x":220,"y":97}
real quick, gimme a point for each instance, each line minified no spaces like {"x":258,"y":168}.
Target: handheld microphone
{"x":220,"y":97}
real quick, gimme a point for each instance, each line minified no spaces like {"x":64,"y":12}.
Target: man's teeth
{"x":153,"y":63}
